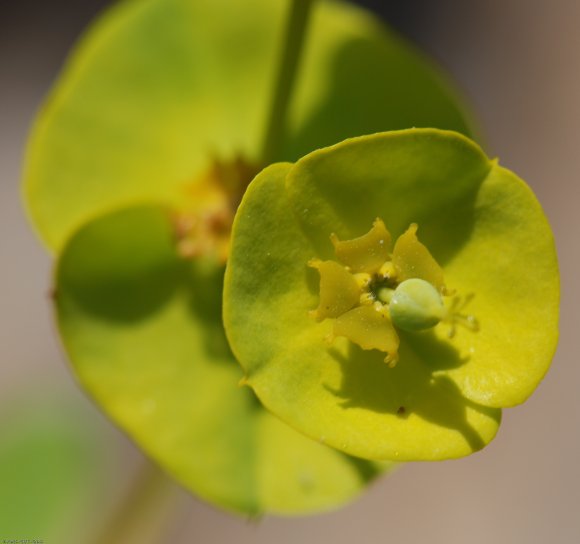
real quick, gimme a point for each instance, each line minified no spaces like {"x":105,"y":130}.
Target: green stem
{"x":293,"y":44}
{"x":143,"y":515}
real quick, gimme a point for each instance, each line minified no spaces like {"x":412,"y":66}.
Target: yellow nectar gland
{"x":203,"y":226}
{"x":371,"y":291}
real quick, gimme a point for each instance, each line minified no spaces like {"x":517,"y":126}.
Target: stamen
{"x":455,"y":316}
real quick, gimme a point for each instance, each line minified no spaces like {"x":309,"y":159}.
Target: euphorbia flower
{"x":374,"y":292}
{"x":133,"y":174}
{"x":484,"y":239}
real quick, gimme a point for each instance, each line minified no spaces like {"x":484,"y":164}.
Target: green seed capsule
{"x":416,"y":305}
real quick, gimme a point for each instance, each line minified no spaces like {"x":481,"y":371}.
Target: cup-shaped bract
{"x":477,"y":222}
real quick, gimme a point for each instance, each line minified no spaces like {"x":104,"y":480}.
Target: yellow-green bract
{"x":484,"y":227}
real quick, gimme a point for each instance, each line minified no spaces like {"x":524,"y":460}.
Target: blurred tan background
{"x":518,"y":62}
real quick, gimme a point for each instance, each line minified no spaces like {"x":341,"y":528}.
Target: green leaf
{"x":49,"y":468}
{"x":142,"y":327}
{"x":480,"y":222}
{"x":157,"y":87}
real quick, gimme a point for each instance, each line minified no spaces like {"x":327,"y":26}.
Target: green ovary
{"x":372,"y":291}
{"x":416,"y":305}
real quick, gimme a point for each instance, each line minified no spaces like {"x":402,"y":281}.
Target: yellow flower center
{"x":372,"y":291}
{"x":204,"y":223}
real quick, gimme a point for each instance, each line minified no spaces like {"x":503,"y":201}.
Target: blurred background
{"x":518,"y":63}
